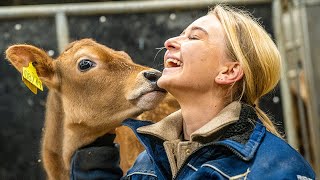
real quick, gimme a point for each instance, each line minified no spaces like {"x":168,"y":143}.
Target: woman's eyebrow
{"x":194,"y":28}
{"x":199,"y":28}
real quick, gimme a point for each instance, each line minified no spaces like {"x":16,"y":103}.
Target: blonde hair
{"x":250,"y":45}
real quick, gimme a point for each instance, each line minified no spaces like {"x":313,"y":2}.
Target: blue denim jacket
{"x":241,"y":153}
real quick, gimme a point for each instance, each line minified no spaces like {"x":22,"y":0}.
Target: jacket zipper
{"x":209,"y":144}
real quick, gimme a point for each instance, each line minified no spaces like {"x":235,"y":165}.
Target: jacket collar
{"x":247,"y":150}
{"x":237,"y":126}
{"x":170,"y":128}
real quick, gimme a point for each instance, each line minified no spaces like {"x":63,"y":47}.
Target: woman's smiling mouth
{"x":173,"y":63}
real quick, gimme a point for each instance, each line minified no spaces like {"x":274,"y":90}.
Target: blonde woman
{"x":217,"y":68}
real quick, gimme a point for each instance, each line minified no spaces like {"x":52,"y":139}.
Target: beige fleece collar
{"x":170,"y":128}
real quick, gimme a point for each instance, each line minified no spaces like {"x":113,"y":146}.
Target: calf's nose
{"x":152,"y":76}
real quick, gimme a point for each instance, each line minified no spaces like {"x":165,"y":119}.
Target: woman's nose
{"x":172,"y":43}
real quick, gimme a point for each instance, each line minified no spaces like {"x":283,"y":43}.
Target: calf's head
{"x":94,"y":81}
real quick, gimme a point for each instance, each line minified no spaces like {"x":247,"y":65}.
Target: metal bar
{"x":312,"y":2}
{"x":298,"y":56}
{"x":302,"y":118}
{"x":62,"y":30}
{"x":313,"y":110}
{"x":114,"y":7}
{"x":284,"y":86}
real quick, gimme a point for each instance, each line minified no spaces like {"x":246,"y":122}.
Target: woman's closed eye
{"x":193,"y":37}
{"x":190,"y":36}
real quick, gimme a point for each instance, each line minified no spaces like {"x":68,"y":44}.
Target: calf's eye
{"x":86,"y":64}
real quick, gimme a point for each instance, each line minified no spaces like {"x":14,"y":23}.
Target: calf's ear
{"x":21,"y":55}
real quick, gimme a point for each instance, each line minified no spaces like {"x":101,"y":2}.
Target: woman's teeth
{"x":173,"y":63}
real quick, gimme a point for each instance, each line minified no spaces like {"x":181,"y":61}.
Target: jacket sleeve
{"x":99,"y":160}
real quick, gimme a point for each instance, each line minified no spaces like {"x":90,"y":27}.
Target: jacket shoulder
{"x":276,"y":154}
{"x":274,"y":159}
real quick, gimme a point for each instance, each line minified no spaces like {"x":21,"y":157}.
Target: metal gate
{"x":297,"y":27}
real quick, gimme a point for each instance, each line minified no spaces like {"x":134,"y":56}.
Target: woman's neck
{"x":198,"y":112}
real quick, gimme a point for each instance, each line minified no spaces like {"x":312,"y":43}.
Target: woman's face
{"x":193,"y":59}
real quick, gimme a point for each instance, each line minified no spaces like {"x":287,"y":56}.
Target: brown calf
{"x":92,"y":88}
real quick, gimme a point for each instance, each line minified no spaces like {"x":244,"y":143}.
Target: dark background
{"x":22,"y":112}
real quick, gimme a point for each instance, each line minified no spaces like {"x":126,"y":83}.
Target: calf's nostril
{"x":152,"y":76}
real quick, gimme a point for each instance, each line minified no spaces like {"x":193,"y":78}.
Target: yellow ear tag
{"x":31,"y":79}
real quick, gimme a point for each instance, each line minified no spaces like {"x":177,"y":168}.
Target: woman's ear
{"x":230,"y":73}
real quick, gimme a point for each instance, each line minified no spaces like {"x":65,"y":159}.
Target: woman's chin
{"x":163,"y":82}
{"x":167,"y":84}
{"x":161,"y":85}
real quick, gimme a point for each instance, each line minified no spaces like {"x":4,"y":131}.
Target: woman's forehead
{"x":210,"y":23}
